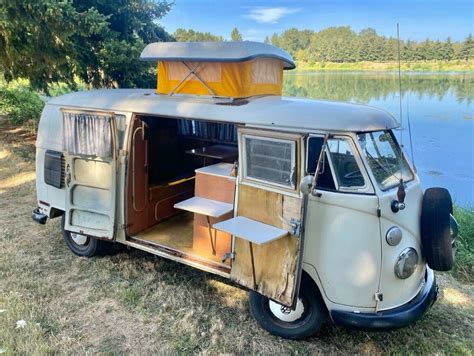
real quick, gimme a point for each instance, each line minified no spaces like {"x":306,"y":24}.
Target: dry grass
{"x":133,"y":302}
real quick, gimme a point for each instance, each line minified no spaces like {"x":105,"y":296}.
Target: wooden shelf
{"x":250,"y":230}
{"x":208,"y":207}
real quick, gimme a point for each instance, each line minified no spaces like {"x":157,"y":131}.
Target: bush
{"x":20,"y":104}
{"x":464,"y":267}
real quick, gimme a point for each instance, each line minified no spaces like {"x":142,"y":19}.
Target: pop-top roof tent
{"x":229,"y":69}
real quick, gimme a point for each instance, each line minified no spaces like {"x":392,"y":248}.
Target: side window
{"x":87,"y":134}
{"x":325,"y":180}
{"x":345,"y":166}
{"x":270,"y":160}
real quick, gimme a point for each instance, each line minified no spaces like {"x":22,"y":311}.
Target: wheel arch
{"x":55,"y":212}
{"x":312,"y":274}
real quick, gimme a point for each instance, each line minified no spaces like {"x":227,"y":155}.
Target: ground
{"x":132,"y":302}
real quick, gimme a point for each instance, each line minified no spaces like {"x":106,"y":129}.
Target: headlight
{"x":406,"y":263}
{"x":394,"y":236}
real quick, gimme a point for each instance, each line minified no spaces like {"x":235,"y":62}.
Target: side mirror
{"x":306,"y":184}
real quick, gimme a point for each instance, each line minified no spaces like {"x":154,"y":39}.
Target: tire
{"x":436,"y":238}
{"x":88,"y":246}
{"x":305,"y":324}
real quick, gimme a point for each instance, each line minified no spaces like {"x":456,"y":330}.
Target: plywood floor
{"x":176,"y":233}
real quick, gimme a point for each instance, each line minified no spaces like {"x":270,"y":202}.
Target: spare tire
{"x":436,"y":238}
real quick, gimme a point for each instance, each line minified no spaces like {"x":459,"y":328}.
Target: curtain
{"x":87,"y":134}
{"x":208,"y":130}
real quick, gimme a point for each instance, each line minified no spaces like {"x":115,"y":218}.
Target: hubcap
{"x":287,"y":314}
{"x":78,"y":239}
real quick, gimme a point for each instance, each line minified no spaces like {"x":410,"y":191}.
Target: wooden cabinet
{"x":216,"y":183}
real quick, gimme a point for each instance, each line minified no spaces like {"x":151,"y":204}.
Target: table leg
{"x":253,"y":266}
{"x":210,"y":235}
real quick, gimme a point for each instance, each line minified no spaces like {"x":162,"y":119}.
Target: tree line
{"x":342,"y":44}
{"x":184,"y":35}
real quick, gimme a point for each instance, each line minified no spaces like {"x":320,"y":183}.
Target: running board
{"x":179,"y":256}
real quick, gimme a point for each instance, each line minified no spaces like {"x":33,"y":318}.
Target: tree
{"x":235,"y":35}
{"x":467,"y":49}
{"x":275,"y":40}
{"x":48,"y":41}
{"x":182,"y":35}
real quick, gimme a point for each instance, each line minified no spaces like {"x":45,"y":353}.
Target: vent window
{"x":54,"y":169}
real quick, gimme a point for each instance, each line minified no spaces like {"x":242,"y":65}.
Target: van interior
{"x":181,"y":180}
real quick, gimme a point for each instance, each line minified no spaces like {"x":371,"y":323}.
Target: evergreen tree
{"x":447,"y":50}
{"x":235,"y":35}
{"x":467,"y":49}
{"x":183,"y":35}
{"x":49,"y":41}
{"x":275,"y":40}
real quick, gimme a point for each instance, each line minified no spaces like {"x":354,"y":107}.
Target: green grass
{"x":464,"y":267}
{"x":417,"y":66}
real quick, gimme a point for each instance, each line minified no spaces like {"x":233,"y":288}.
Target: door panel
{"x":266,"y":199}
{"x":343,"y":244}
{"x":277,"y":262}
{"x":90,"y":202}
{"x":102,"y":173}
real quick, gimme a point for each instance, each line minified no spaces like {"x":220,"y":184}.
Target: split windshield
{"x":384,"y":158}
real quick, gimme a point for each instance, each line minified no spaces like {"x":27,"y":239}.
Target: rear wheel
{"x":302,"y":322}
{"x":82,"y":245}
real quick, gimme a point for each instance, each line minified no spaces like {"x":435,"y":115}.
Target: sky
{"x":419,"y":19}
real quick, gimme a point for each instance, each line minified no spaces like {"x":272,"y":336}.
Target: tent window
{"x":87,"y":134}
{"x":270,"y":160}
{"x":266,"y":71}
{"x":208,"y":72}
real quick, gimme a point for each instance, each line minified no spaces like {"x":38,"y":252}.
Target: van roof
{"x":267,"y":111}
{"x":234,"y":51}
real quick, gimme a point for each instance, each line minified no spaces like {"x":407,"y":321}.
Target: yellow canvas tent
{"x":230,"y":69}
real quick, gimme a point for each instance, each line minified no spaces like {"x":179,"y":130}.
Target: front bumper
{"x":393,"y":318}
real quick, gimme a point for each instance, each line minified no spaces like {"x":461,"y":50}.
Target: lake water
{"x":441,"y":111}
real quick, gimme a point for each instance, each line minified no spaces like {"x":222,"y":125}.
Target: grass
{"x":417,"y":66}
{"x":133,"y":302}
{"x":464,"y":267}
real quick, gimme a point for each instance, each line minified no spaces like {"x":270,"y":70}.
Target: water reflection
{"x":362,"y":87}
{"x":441,"y":109}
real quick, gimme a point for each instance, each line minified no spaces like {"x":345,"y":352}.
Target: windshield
{"x":383,"y":155}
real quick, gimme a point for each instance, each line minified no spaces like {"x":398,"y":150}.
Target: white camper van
{"x":308,"y":204}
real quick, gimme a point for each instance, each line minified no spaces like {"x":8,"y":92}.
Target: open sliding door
{"x":89,"y":145}
{"x":268,"y":194}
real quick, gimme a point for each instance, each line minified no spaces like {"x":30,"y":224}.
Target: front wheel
{"x":302,"y":322}
{"x":82,"y":245}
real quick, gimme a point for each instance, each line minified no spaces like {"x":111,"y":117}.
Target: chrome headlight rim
{"x":401,"y":261}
